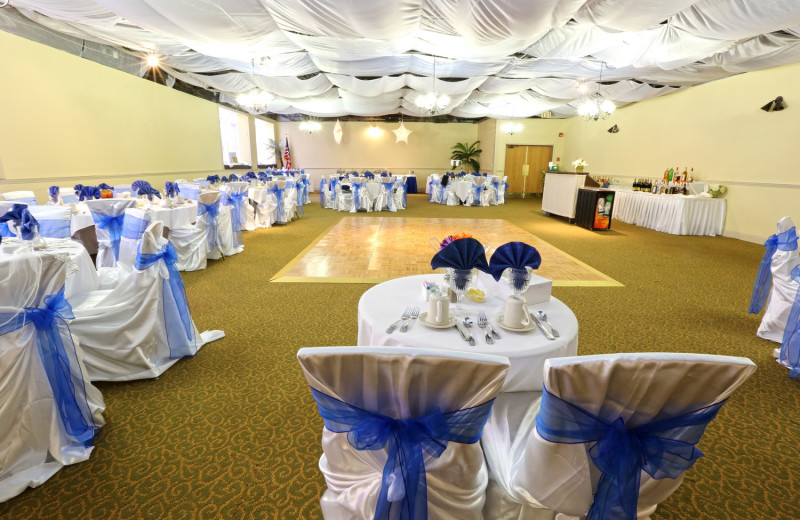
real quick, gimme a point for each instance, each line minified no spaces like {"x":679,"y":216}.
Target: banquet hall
{"x":233,"y":431}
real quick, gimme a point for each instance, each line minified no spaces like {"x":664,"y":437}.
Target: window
{"x":265,"y":143}
{"x":235,"y":133}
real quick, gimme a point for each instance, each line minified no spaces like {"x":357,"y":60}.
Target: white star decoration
{"x":337,"y":132}
{"x":402,"y":133}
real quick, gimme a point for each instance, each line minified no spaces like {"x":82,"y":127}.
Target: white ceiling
{"x":494,"y":58}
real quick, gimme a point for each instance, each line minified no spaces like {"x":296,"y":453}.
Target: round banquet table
{"x":81,"y":273}
{"x":181,"y":216}
{"x":384,"y":303}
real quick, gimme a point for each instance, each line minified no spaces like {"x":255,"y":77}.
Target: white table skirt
{"x":674,"y":214}
{"x":182,"y":216}
{"x":81,"y":273}
{"x":383,"y":304}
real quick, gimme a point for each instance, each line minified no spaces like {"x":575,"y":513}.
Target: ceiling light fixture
{"x":309,"y":127}
{"x":374,"y":132}
{"x":152,"y":60}
{"x":432,"y":102}
{"x":596,"y":107}
{"x":511,"y":128}
{"x":254,"y":101}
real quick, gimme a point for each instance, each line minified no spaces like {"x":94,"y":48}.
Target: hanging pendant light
{"x":433,"y":103}
{"x":256,"y":101}
{"x":596,"y":107}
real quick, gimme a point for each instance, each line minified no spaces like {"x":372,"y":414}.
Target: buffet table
{"x":673,"y":214}
{"x":384,"y":303}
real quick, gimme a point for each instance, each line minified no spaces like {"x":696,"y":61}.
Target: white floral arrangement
{"x":580,"y":162}
{"x":717,"y":190}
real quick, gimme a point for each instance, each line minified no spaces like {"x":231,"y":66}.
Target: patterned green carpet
{"x":233,"y":433}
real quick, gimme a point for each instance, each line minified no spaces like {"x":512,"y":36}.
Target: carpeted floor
{"x":233,"y":433}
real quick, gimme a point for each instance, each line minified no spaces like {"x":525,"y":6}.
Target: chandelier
{"x":511,"y":128}
{"x":254,"y":101}
{"x":433,"y":103}
{"x":596,"y":107}
{"x":309,"y":127}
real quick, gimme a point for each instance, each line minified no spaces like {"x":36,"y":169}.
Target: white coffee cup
{"x":438,"y":309}
{"x":516,"y":313}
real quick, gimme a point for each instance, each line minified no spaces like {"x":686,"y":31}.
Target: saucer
{"x":502,"y":325}
{"x":423,"y":319}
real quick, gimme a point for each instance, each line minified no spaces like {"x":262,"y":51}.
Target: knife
{"x":544,"y":330}
{"x":465,"y":334}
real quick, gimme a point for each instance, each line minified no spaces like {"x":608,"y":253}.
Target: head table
{"x":383,"y":304}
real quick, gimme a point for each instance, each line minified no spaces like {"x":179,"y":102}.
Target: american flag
{"x":287,"y":156}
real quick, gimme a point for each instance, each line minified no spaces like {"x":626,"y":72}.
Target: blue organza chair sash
{"x":237,"y":201}
{"x":133,"y":227}
{"x":300,"y":187}
{"x":496,"y":184}
{"x":60,"y":362}
{"x":278,"y":192}
{"x":790,"y":344}
{"x":478,"y":190}
{"x":112,"y":224}
{"x":662,"y":448}
{"x":356,"y":191}
{"x":54,"y":228}
{"x":190,"y":192}
{"x":323,"y":187}
{"x":436,"y":185}
{"x":212,"y":210}
{"x":403,"y":493}
{"x":786,"y":241}
{"x":177,"y":318}
{"x":389,"y":187}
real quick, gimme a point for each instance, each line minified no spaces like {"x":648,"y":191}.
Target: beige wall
{"x":67,"y":120}
{"x":428,"y":149}
{"x":720,"y":131}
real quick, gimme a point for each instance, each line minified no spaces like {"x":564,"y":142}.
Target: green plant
{"x":278,"y":152}
{"x":467,"y":154}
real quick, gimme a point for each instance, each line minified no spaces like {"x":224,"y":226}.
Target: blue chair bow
{"x":786,"y":241}
{"x":177,"y":318}
{"x":407,"y":441}
{"x":790,"y":344}
{"x":112,"y":224}
{"x":389,"y":187}
{"x":238,"y":215}
{"x":663,"y":449}
{"x":60,"y":362}
{"x":278,"y":192}
{"x":22,"y":218}
{"x":496,"y":185}
{"x":213,"y":211}
{"x":478,"y":190}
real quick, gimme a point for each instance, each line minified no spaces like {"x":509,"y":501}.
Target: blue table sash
{"x":786,"y":241}
{"x":407,"y":441}
{"x":177,"y":318}
{"x":113,"y":226}
{"x":213,"y":211}
{"x":663,"y":449}
{"x":60,"y":362}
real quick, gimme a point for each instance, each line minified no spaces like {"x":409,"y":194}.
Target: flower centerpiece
{"x":717,"y":190}
{"x":452,"y":238}
{"x":579,"y":164}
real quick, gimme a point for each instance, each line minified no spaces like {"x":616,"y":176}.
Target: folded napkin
{"x":251,"y":175}
{"x":464,"y":253}
{"x":233,"y":177}
{"x":224,"y":179}
{"x":263,"y":177}
{"x":213,"y":179}
{"x":22,"y":218}
{"x":77,"y":188}
{"x":104,"y":186}
{"x":171,"y":189}
{"x":138,"y":185}
{"x":89,"y":192}
{"x":517,"y":255}
{"x":150,"y":192}
{"x":54,"y":192}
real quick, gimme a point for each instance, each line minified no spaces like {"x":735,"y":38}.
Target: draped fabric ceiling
{"x":494,"y":58}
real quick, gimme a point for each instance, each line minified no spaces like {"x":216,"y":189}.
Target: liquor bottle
{"x":666,"y":174}
{"x":671,"y":173}
{"x":691,"y":175}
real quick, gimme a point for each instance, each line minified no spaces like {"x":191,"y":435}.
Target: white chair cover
{"x":359,"y":196}
{"x":34,"y":439}
{"x":402,"y":383}
{"x":304,"y":178}
{"x":189,"y":190}
{"x":136,"y":330}
{"x":193,"y":243}
{"x":119,"y":190}
{"x":783,"y":292}
{"x":20,"y":196}
{"x":202,"y":181}
{"x":54,"y":221}
{"x":501,"y":190}
{"x":290,"y":201}
{"x":134,"y":224}
{"x":67,"y":195}
{"x":450,"y":197}
{"x":399,"y":193}
{"x":532,"y":478}
{"x":108,"y":217}
{"x":236,"y":198}
{"x":332,"y":196}
{"x":345,"y":196}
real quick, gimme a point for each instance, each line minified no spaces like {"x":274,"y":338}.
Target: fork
{"x":489,"y":325}
{"x":394,"y":325}
{"x":414,"y":316}
{"x":482,"y":322}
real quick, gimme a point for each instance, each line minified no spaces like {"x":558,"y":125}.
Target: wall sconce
{"x":511,"y":128}
{"x":309,"y":127}
{"x":775,"y":105}
{"x":374,"y":132}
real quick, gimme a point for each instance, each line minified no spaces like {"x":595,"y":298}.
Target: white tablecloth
{"x":81,"y":273}
{"x":462,"y":189}
{"x":182,"y":216}
{"x":674,"y":214}
{"x":383,"y":304}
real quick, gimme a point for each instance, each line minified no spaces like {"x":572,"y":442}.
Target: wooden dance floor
{"x":372,"y":250}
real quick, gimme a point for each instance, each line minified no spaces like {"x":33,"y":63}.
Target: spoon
{"x":552,"y":329}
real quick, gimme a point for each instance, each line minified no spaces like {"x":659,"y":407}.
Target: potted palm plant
{"x":467,"y":154}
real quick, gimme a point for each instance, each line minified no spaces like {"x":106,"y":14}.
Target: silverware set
{"x":551,"y":334}
{"x":410,"y":314}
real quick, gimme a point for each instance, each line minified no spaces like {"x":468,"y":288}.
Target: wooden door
{"x":536,"y":158}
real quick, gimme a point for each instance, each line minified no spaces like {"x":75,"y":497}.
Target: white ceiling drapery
{"x":494,"y":58}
